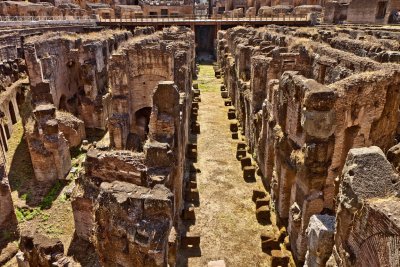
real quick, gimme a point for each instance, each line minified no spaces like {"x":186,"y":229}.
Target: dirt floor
{"x":225,"y":218}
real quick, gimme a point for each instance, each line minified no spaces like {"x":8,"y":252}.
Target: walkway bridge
{"x":292,"y":20}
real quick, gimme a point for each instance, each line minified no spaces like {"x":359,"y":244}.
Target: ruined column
{"x":133,"y":224}
{"x":320,"y":232}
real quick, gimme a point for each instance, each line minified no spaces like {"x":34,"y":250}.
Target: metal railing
{"x":206,"y":18}
{"x":38,"y":20}
{"x":44,"y":20}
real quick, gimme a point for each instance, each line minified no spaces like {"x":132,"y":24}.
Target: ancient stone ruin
{"x":214,"y":144}
{"x":302,"y":106}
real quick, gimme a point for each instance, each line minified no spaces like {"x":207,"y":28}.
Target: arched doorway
{"x":142,"y":119}
{"x":141,"y":129}
{"x":12,"y":113}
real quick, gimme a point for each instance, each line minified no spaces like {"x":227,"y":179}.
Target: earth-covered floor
{"x":225,"y":219}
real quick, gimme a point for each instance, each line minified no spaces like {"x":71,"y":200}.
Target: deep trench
{"x":225,"y":218}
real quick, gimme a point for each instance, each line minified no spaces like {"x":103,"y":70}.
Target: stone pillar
{"x":133,"y":225}
{"x":320,"y":233}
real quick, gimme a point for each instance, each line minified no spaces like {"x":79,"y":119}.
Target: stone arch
{"x":12,"y":112}
{"x":141,"y":129}
{"x":142,"y":119}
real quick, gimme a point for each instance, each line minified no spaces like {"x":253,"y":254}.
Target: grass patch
{"x":24,"y":214}
{"x":51,"y":195}
{"x":207,"y":81}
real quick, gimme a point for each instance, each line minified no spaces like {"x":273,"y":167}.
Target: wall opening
{"x":63,"y":103}
{"x":137,"y":139}
{"x":8,"y":134}
{"x":12,"y":113}
{"x":3,"y":140}
{"x":381,"y":11}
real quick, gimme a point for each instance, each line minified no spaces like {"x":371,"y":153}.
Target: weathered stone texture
{"x":166,"y":58}
{"x":127,"y":201}
{"x":40,"y":251}
{"x":76,"y":69}
{"x":302,"y":106}
{"x":137,"y":232}
{"x":367,"y":231}
{"x":48,"y":147}
{"x":8,"y":220}
{"x":320,"y":231}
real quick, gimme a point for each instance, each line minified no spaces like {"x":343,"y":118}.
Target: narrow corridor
{"x":225,"y":219}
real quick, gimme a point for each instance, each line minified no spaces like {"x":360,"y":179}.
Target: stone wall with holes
{"x":302,"y":105}
{"x":135,"y":70}
{"x":40,"y":9}
{"x":75,"y":66}
{"x":361,"y":11}
{"x":131,"y":199}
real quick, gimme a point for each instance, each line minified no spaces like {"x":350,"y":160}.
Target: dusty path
{"x":225,"y":218}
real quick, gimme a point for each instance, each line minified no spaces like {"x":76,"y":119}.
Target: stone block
{"x":192,"y":151}
{"x":249,"y":173}
{"x":228,"y":103}
{"x":190,"y":242}
{"x":235,"y":135}
{"x":195,"y":127}
{"x":188,"y":214}
{"x":241,"y":153}
{"x":196,"y":93}
{"x":258,"y":194}
{"x":197,"y":99}
{"x":192,"y":184}
{"x":233,"y":127}
{"x":195,"y":105}
{"x":263,"y":215}
{"x":269,"y":242}
{"x":262,"y":202}
{"x":192,"y":195}
{"x":231,"y":115}
{"x":224,"y":94}
{"x":320,"y":232}
{"x":279,"y":258}
{"x":246,"y":161}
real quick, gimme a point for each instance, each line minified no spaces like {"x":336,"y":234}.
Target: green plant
{"x":51,"y":196}
{"x":26,"y":214}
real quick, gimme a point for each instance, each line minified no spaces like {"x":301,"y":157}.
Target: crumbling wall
{"x":41,"y":251}
{"x":302,"y":106}
{"x":367,"y":230}
{"x":133,"y":224}
{"x":135,"y":69}
{"x":8,"y":220}
{"x":76,"y":69}
{"x":129,"y":200}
